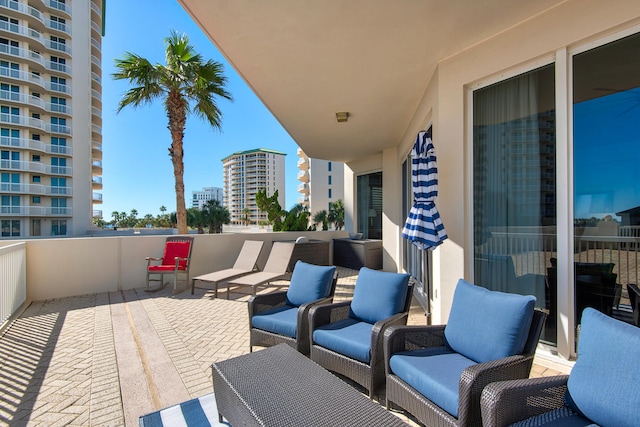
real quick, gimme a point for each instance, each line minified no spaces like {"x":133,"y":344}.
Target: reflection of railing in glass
{"x":532,"y":254}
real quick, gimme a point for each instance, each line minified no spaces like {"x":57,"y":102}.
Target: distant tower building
{"x":321,"y":182}
{"x":200,"y":198}
{"x":51,"y":116}
{"x":247,"y":172}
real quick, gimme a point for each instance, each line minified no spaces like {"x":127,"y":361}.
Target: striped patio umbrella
{"x":424,"y":227}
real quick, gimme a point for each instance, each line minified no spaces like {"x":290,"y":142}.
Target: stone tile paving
{"x":58,"y":361}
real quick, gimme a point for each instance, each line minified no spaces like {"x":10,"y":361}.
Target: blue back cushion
{"x":604,"y":381}
{"x":309,"y":282}
{"x":487,"y":325}
{"x":378,"y":295}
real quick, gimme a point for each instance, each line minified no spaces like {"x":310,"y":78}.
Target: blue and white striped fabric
{"x":424,"y":227}
{"x":202,"y":411}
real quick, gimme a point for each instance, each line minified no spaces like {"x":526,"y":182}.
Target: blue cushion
{"x":487,"y":325}
{"x":378,"y":295}
{"x":434,"y":372}
{"x":561,"y":417}
{"x":280,"y":320}
{"x":348,"y":337}
{"x":309,"y":282}
{"x":604,"y":381}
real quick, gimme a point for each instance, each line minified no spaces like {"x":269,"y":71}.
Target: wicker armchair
{"x":344,"y":321}
{"x":506,"y":402}
{"x":280,"y":306}
{"x":601,"y":389}
{"x":431,"y":342}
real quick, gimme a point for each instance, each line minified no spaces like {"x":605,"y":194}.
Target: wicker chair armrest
{"x":506,"y":402}
{"x":378,"y":330}
{"x":264,"y":302}
{"x":303,"y":320}
{"x":475,"y":378}
{"x":323,"y":314}
{"x":304,"y":309}
{"x":413,"y":337}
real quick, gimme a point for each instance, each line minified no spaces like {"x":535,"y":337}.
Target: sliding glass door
{"x":514,"y":187}
{"x":606,"y":159}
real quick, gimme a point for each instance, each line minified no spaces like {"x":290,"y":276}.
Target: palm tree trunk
{"x":177,"y":114}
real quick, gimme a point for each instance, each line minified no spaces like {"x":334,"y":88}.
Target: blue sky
{"x":137,"y":171}
{"x":606,"y":157}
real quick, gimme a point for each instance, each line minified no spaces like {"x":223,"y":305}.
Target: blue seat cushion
{"x":561,"y":417}
{"x":309,"y":283}
{"x":348,"y":337}
{"x":434,"y":372}
{"x":280,"y":320}
{"x":378,"y":295}
{"x":602,"y":382}
{"x":487,"y":325}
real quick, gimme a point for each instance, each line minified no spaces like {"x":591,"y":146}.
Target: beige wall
{"x":540,"y":40}
{"x":58,"y":268}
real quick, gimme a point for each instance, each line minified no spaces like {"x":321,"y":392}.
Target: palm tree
{"x":320,"y":217}
{"x":246,"y":216}
{"x":187,"y":84}
{"x":336,"y":214}
{"x":215,"y":215}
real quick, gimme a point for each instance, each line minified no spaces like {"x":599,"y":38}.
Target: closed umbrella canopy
{"x":424,"y":227}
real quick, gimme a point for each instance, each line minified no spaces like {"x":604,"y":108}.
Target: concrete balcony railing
{"x":34,"y":211}
{"x":32,"y":144}
{"x":58,"y":6}
{"x":47,"y":190}
{"x":58,"y":26}
{"x":34,"y":101}
{"x":20,"y":165}
{"x":110,"y":264}
{"x":34,"y":123}
{"x":35,"y":57}
{"x":23,"y":8}
{"x":303,"y":163}
{"x":24,"y":76}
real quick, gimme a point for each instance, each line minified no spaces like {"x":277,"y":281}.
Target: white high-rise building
{"x":51,"y":116}
{"x":321,"y":182}
{"x":200,"y":198}
{"x":246,"y":173}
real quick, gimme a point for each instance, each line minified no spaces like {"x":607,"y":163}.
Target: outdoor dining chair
{"x":346,"y":337}
{"x":246,"y":263}
{"x":282,"y":317}
{"x":175,"y":260}
{"x":437,"y":373}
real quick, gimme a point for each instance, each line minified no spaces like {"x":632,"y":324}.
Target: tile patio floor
{"x":105,"y":359}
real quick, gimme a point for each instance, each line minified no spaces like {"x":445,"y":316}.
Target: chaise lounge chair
{"x":246,"y":263}
{"x":275,"y":268}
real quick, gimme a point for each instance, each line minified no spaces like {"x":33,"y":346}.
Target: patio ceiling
{"x":307,"y":60}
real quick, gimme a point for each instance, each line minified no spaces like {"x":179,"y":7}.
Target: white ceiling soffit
{"x":308,"y":59}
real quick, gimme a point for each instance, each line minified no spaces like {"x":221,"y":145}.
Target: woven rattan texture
{"x":280,"y":387}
